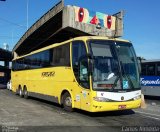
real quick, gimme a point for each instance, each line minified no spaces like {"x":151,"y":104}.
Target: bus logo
{"x":122,"y":98}
{"x":48,"y":74}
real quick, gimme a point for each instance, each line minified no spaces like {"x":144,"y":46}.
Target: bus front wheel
{"x":67,"y":102}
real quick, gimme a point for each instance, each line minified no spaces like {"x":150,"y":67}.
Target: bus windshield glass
{"x":115,"y":66}
{"x":129,"y":65}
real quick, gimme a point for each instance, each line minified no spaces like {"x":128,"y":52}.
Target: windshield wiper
{"x":115,"y":82}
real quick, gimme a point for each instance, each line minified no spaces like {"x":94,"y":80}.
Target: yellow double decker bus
{"x":90,"y":73}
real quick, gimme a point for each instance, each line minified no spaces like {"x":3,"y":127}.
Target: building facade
{"x":5,"y":68}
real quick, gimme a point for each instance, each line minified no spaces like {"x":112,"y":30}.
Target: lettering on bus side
{"x":48,"y":74}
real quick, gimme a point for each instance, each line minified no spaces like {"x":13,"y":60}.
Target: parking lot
{"x":41,"y":115}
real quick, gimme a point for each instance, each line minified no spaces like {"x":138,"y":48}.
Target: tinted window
{"x":61,"y":56}
{"x":58,"y":56}
{"x":158,"y":69}
{"x":151,"y":69}
{"x":144,"y":69}
{"x":79,"y":50}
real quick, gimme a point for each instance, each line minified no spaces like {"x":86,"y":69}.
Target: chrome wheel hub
{"x":68,"y":101}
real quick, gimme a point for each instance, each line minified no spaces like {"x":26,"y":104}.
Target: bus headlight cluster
{"x":137,"y":97}
{"x":100,"y":99}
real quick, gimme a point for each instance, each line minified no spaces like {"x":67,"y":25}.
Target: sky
{"x":141,"y":20}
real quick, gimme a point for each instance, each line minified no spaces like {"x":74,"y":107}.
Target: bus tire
{"x":25,"y":92}
{"x":20,"y":92}
{"x":67,"y":102}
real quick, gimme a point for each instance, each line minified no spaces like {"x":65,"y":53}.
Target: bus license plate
{"x":121,"y":106}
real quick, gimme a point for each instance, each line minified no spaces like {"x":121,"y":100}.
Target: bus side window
{"x":151,"y":69}
{"x":158,"y":69}
{"x":78,"y":50}
{"x":144,"y":69}
{"x":61,"y":55}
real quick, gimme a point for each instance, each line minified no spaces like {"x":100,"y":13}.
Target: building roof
{"x":60,"y":24}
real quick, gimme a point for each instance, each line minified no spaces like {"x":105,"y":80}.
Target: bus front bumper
{"x":113,"y":106}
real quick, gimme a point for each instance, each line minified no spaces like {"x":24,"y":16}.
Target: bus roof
{"x":83,"y":38}
{"x":150,"y":61}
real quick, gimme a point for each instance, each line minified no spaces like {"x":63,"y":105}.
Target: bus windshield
{"x":115,"y":66}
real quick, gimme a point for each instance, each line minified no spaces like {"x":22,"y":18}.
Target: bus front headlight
{"x":137,"y":97}
{"x":100,"y":99}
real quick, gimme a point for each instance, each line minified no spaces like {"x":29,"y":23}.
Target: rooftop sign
{"x":96,"y":18}
{"x":62,"y":22}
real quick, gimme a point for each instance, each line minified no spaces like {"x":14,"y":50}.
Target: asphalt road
{"x":19,"y":114}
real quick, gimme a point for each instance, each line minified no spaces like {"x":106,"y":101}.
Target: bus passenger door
{"x":81,"y":74}
{"x":85,"y":84}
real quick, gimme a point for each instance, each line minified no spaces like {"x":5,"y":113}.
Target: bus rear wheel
{"x":25,"y":92}
{"x":67,"y":102}
{"x":20,"y":92}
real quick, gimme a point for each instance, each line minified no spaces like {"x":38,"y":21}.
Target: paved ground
{"x":2,"y":86}
{"x":153,"y":108}
{"x":37,"y":115}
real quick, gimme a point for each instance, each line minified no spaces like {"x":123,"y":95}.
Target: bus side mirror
{"x":85,"y":67}
{"x":90,"y":66}
{"x":90,"y":63}
{"x":139,"y":64}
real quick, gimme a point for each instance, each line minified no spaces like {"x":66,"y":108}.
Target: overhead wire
{"x":2,"y":19}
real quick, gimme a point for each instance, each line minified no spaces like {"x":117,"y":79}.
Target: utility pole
{"x":27,"y":13}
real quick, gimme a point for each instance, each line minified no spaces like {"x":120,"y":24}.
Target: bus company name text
{"x":150,"y":82}
{"x":48,"y":74}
